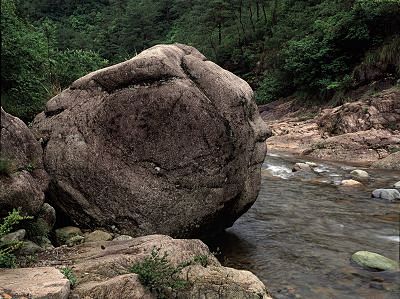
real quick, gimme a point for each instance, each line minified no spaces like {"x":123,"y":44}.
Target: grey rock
{"x":388,"y":194}
{"x":397,"y":185}
{"x":165,"y":142}
{"x":21,"y":188}
{"x":29,"y":248}
{"x":18,"y":235}
{"x":75,"y":240}
{"x":66,"y":233}
{"x":123,"y":238}
{"x":372,"y":260}
{"x":48,"y":214}
{"x":39,"y":282}
{"x":391,"y":162}
{"x":98,"y":235}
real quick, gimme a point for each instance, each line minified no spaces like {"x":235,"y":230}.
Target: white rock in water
{"x":397,"y":185}
{"x":349,"y":183}
{"x":388,"y":194}
{"x":358,"y":173}
{"x":301,"y":167}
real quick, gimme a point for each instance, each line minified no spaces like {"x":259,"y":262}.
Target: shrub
{"x":69,"y":274}
{"x":7,"y":258}
{"x":156,"y":273}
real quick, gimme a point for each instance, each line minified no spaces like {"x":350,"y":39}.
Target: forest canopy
{"x":311,"y":48}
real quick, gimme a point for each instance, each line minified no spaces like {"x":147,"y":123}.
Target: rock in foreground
{"x":102,"y":270}
{"x":41,"y":282}
{"x":166,"y":142}
{"x":387,"y":194}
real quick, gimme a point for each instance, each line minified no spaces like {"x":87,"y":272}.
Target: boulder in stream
{"x":351,"y":183}
{"x":387,"y":194}
{"x":166,"y":142}
{"x":359,"y":174}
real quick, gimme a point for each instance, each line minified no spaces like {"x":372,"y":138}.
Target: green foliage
{"x":156,"y":273}
{"x":70,"y":275}
{"x":36,"y":229}
{"x":201,"y":259}
{"x":7,"y":258}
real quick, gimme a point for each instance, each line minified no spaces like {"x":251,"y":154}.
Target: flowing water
{"x":301,"y":232}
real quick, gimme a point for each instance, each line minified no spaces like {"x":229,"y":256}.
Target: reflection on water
{"x":300,"y":234}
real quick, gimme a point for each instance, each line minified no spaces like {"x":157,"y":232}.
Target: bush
{"x":156,"y":273}
{"x":69,"y":274}
{"x":7,"y":258}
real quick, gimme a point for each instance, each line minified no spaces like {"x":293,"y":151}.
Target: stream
{"x":299,"y":235}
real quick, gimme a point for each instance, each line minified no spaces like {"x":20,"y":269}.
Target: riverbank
{"x":360,"y":132}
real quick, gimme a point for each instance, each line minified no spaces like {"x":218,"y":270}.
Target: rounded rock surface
{"x":360,"y":174}
{"x":387,"y":194}
{"x":350,"y":183}
{"x":372,"y":260}
{"x":166,"y":142}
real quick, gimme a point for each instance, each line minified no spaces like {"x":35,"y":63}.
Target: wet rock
{"x":102,"y":271}
{"x":374,"y":261}
{"x":351,"y":183}
{"x":123,"y":238}
{"x":18,"y":235}
{"x":397,"y":185}
{"x":390,"y":162}
{"x":40,"y":282}
{"x":65,"y":233}
{"x":359,"y":174}
{"x":387,"y":194}
{"x":29,"y":248}
{"x":23,"y":184}
{"x":301,"y":167}
{"x":98,"y":235}
{"x":197,"y":167}
{"x":311,"y":164}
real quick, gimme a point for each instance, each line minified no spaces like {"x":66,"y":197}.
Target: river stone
{"x":388,"y":194}
{"x":123,"y":238}
{"x":24,"y":183}
{"x":351,"y":183}
{"x":397,"y":185}
{"x":301,"y":167}
{"x":165,"y":142}
{"x":39,"y":282}
{"x":359,"y":174}
{"x":18,"y":235}
{"x":371,"y":260}
{"x":98,"y":235}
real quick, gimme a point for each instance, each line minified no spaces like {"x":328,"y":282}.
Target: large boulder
{"x":23,"y":179}
{"x":166,"y":142}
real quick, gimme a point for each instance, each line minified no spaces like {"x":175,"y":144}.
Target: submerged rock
{"x":40,"y":282}
{"x":351,"y":183}
{"x":375,"y":261}
{"x":388,"y":194}
{"x":23,"y":179}
{"x":166,"y":142}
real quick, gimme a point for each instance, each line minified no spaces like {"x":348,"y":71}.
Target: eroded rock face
{"x":102,"y":270}
{"x":25,"y":181}
{"x":390,"y":162}
{"x":166,"y":142}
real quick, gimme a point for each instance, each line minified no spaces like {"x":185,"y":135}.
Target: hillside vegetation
{"x":315,"y":49}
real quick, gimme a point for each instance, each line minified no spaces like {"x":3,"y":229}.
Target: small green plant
{"x":69,"y":274}
{"x":7,"y":248}
{"x":36,"y":229}
{"x":201,"y":259}
{"x":30,"y":167}
{"x":156,"y":273}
